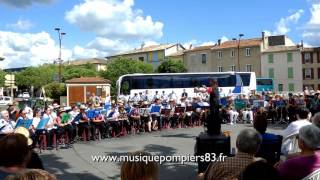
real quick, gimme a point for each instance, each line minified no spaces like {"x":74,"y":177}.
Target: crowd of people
{"x":56,"y":125}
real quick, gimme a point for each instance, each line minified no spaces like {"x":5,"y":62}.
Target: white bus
{"x":229,"y":82}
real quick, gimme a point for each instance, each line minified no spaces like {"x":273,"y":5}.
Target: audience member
{"x":31,"y":174}
{"x":139,"y":170}
{"x":14,"y":154}
{"x":260,"y":170}
{"x":316,"y":119}
{"x":309,"y":159}
{"x":247,"y":143}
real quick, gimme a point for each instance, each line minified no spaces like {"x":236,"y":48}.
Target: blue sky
{"x":98,"y":28}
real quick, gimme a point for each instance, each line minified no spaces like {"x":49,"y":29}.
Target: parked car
{"x":25,"y":95}
{"x":5,"y":100}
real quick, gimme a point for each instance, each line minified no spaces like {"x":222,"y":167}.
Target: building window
{"x":248,"y":68}
{"x":280,"y":87}
{"x":248,"y":51}
{"x":219,"y":55}
{"x":233,"y":53}
{"x":150,"y":57}
{"x":271,"y":73}
{"x":307,"y":73}
{"x":307,"y":57}
{"x":160,"y":56}
{"x":291,"y":87}
{"x":290,"y":72}
{"x":289,"y":57}
{"x":220,"y":69}
{"x":141,"y":58}
{"x":193,"y":57}
{"x":270,"y":58}
{"x":203,"y":58}
{"x":309,"y":86}
{"x":233,"y":68}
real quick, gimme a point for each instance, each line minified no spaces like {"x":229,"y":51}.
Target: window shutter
{"x":312,"y":77}
{"x":311,"y":56}
{"x":318,"y":58}
{"x":318,"y":73}
{"x":302,"y":57}
{"x":304,"y":73}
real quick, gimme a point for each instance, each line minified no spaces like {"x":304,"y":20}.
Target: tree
{"x":2,"y":78}
{"x":36,"y":76}
{"x":55,"y":90}
{"x":71,"y":72}
{"x":171,"y":66}
{"x":122,"y":66}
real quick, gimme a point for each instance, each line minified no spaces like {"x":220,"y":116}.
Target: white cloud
{"x":312,"y":28}
{"x":283,"y":25}
{"x":208,"y":43}
{"x":115,"y":19}
{"x":24,"y":3}
{"x":21,"y":25}
{"x":224,"y":39}
{"x":25,"y":49}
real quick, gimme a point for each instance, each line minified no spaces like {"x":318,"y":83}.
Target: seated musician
{"x":99,"y":123}
{"x":6,"y":125}
{"x":145,"y":116}
{"x":173,"y":115}
{"x":66,"y":123}
{"x":84,"y":121}
{"x":123,"y":118}
{"x":50,"y":127}
{"x":111,"y":119}
{"x":280,"y":106}
{"x":23,"y":120}
{"x":155,"y":110}
{"x":196,"y":109}
{"x":233,"y":114}
{"x":134,"y":117}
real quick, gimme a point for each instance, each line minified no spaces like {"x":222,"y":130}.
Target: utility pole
{"x":60,"y":34}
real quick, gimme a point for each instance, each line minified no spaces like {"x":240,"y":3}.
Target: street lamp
{"x":2,"y":58}
{"x":60,"y":34}
{"x":240,"y":35}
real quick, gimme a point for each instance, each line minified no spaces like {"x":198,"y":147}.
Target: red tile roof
{"x":88,"y":80}
{"x":243,"y":43}
{"x":200,"y":48}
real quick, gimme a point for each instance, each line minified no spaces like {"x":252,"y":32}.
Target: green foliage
{"x":55,"y":90}
{"x":36,"y":76}
{"x":71,"y":72}
{"x":171,"y":66}
{"x":2,"y":78}
{"x":122,"y":66}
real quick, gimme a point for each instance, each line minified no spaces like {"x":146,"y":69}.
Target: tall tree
{"x":2,"y":78}
{"x":171,"y":66}
{"x":70,"y":72}
{"x":122,"y":66}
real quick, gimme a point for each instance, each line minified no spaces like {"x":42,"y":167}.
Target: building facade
{"x":100,"y":64}
{"x":311,"y":68}
{"x":198,"y":59}
{"x":283,"y":65}
{"x":154,"y":54}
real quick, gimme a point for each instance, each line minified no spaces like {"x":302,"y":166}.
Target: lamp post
{"x":2,"y":58}
{"x":240,"y":35}
{"x":60,"y":34}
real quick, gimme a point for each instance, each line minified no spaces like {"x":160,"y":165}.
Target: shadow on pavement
{"x":182,"y":135}
{"x":58,"y":167}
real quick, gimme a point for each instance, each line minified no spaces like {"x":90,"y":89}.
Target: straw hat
{"x":83,"y":107}
{"x":24,"y":132}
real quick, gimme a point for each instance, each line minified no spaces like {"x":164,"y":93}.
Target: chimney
{"x":142,"y":45}
{"x":190,"y":47}
{"x":219,"y":42}
{"x":301,"y":44}
{"x":263,"y":39}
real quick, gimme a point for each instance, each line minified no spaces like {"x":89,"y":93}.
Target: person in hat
{"x":35,"y":161}
{"x":134,"y":117}
{"x":123,"y":118}
{"x":155,"y":110}
{"x":145,"y":116}
{"x":51,"y":126}
{"x":84,"y":126}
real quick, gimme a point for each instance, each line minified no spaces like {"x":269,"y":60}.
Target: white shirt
{"x":50,"y":122}
{"x":107,"y":100}
{"x":73,"y":114}
{"x":294,"y":127}
{"x":6,"y":127}
{"x":35,"y":122}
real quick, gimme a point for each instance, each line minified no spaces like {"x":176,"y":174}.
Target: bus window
{"x":245,"y":79}
{"x":161,"y":82}
{"x":125,"y":87}
{"x":181,"y":82}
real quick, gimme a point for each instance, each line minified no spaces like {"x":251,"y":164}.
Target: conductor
{"x":213,"y":120}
